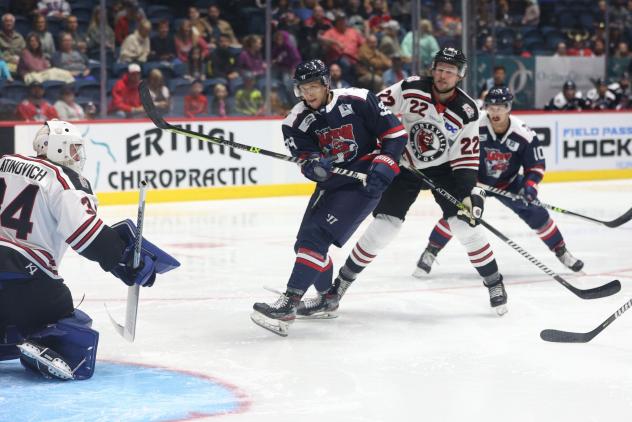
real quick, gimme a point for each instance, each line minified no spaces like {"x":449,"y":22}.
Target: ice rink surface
{"x":402,"y":349}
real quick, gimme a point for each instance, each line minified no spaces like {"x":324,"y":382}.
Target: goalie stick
{"x":559,"y":336}
{"x":128,"y":332}
{"x":627,"y":216}
{"x":607,"y":289}
{"x":159,"y":121}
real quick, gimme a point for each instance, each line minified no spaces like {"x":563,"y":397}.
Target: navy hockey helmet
{"x":498,"y":96}
{"x":309,"y":71}
{"x":453,"y":56}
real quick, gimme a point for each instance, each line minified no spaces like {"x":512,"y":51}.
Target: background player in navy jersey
{"x":45,"y":207}
{"x":507,"y":145}
{"x":352,"y":129}
{"x":442,"y":122}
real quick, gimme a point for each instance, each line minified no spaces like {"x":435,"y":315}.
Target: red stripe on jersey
{"x":444,"y":223}
{"x":550,"y":235}
{"x":312,"y":265}
{"x":546,"y":227}
{"x":452,"y":119}
{"x":419,"y":96}
{"x":87,"y":236}
{"x":458,"y":160}
{"x":478,"y":251}
{"x":81,"y":228}
{"x":31,"y":253}
{"x":312,"y":253}
{"x":50,"y":166}
{"x":392,"y":130}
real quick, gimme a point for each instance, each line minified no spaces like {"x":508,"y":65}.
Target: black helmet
{"x":569,"y":84}
{"x":453,"y":56}
{"x":500,"y":95}
{"x":310,"y":71}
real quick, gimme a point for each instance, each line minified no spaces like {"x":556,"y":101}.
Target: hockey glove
{"x":381,"y":173}
{"x":474,"y":206}
{"x":529,"y":191}
{"x":144,"y":275}
{"x":318,"y":168}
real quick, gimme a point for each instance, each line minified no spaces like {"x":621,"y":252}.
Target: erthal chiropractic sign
{"x":119,"y":155}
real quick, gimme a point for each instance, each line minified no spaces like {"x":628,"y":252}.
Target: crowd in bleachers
{"x":205,"y":57}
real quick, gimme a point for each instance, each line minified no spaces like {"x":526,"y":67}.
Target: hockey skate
{"x":498,"y":297}
{"x":425,"y":262}
{"x":49,"y":363}
{"x":322,"y":306}
{"x":339,"y":288}
{"x":278,"y":316}
{"x":568,"y":260}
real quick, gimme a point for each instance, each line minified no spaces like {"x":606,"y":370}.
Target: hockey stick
{"x":607,"y":289}
{"x":612,"y":224}
{"x":559,"y":336}
{"x":128,"y":332}
{"x":153,"y":114}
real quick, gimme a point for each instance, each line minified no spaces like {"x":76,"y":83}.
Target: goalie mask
{"x":62,"y":143}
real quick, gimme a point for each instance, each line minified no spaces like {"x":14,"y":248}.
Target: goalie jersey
{"x":502,"y":157}
{"x":355,"y":127}
{"x":44,"y":209}
{"x":438,"y":133}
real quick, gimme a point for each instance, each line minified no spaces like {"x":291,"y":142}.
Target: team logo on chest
{"x":496,"y":161}
{"x":427,"y":141}
{"x":339,"y":142}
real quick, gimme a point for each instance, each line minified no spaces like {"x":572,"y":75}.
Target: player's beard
{"x":444,"y":91}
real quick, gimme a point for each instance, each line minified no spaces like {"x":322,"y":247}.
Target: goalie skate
{"x":46,"y":361}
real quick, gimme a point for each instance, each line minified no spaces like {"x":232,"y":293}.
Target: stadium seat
{"x":554,"y":38}
{"x":158,"y":11}
{"x":209,"y":84}
{"x":22,"y":25}
{"x":587,"y":20}
{"x":89,"y":89}
{"x":566,"y":19}
{"x":16,"y":91}
{"x":505,"y":37}
{"x":52,"y":90}
{"x":8,"y":109}
{"x":165,"y":68}
{"x":179,"y":86}
{"x":83,"y":13}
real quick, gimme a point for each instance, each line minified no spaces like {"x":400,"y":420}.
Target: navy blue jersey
{"x":353,"y":127}
{"x":503,"y":157}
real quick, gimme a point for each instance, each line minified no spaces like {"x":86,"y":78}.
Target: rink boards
{"x":577,"y":146}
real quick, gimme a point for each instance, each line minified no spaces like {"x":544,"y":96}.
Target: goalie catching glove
{"x":153,"y":260}
{"x":474,"y":206}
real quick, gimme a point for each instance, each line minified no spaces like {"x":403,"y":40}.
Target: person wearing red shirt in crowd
{"x":35,"y":107}
{"x":343,"y":43}
{"x":196,"y":103}
{"x":125,"y":98}
{"x":127,"y":20}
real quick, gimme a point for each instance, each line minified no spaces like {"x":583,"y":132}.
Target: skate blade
{"x":323,"y":315}
{"x":279,"y":328}
{"x":500,"y":310}
{"x":420,"y":273}
{"x":56,"y":368}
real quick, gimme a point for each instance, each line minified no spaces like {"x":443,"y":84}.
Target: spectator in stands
{"x":35,"y":107}
{"x":489,"y":45}
{"x":23,"y":7}
{"x":518,"y":47}
{"x":248,"y":99}
{"x":200,"y":25}
{"x":127,"y":20}
{"x":125,"y":97}
{"x":560,"y":50}
{"x":389,"y":42}
{"x":220,"y":105}
{"x":622,"y":51}
{"x":196,"y":65}
{"x":278,"y":107}
{"x":378,"y":16}
{"x":11,"y":42}
{"x":311,"y":29}
{"x":93,"y":36}
{"x":250,"y":59}
{"x":568,"y":99}
{"x":503,"y":17}
{"x":70,"y":59}
{"x":5,"y":73}
{"x":285,"y":58}
{"x":336,"y":77}
{"x":599,"y":97}
{"x":498,"y":80}
{"x":396,"y":73}
{"x":579,"y":47}
{"x":428,"y":45}
{"x":371,"y":65}
{"x":449,"y":23}
{"x":223,"y":62}
{"x":291,"y":23}
{"x":400,"y":10}
{"x":185,"y":39}
{"x":32,"y":58}
{"x":219,"y":26}
{"x":158,"y":91}
{"x":621,"y":91}
{"x":599,"y":48}
{"x":135,"y":48}
{"x":343,"y":44}
{"x":163,"y":47}
{"x":53,"y":8}
{"x":531,"y":14}
{"x":196,"y":103}
{"x":67,"y":108}
{"x":71,"y":25}
{"x":46,"y":38}
{"x":304,"y":9}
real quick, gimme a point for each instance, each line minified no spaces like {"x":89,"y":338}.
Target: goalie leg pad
{"x":9,"y":338}
{"x":73,"y":341}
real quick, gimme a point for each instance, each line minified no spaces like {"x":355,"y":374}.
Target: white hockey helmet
{"x":62,"y":143}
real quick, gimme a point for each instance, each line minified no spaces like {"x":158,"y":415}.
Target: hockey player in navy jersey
{"x":45,"y":207}
{"x":442,"y":122}
{"x":349,"y":128}
{"x":507,"y":146}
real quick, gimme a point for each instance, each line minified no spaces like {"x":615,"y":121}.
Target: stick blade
{"x":117,"y":327}
{"x":150,"y":108}
{"x":606,"y":290}
{"x":621,"y":220}
{"x":558,"y":336}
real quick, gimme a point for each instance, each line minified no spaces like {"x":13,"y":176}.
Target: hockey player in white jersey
{"x":45,"y":207}
{"x":442,"y":124}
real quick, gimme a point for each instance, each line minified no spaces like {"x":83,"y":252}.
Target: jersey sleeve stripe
{"x":418,"y":96}
{"x":84,"y":241}
{"x":466,"y":159}
{"x":452,"y":119}
{"x":80,"y":230}
{"x":30,"y":255}
{"x":58,"y":174}
{"x":394,"y":132}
